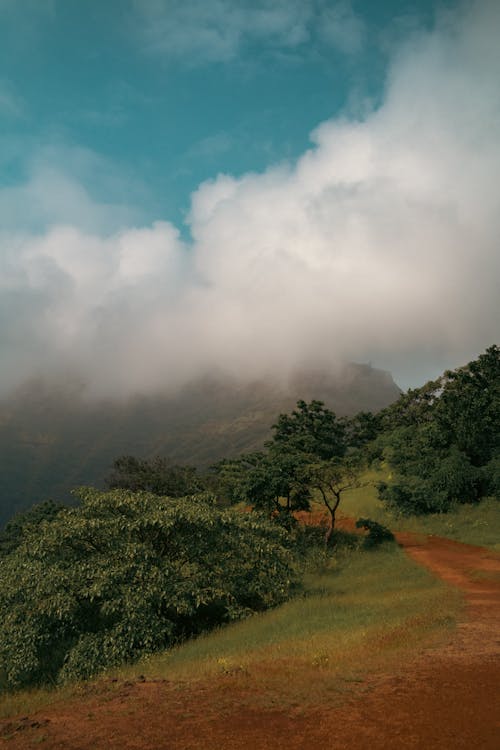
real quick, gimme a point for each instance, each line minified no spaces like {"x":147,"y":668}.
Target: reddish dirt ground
{"x":444,"y":698}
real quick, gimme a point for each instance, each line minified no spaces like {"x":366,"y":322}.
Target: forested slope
{"x":52,"y":438}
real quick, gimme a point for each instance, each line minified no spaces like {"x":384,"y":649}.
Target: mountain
{"x":53,"y":439}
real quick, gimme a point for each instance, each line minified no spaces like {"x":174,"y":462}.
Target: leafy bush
{"x":442,"y":441}
{"x":377,"y":534}
{"x":309,"y":537}
{"x":123,"y":575}
{"x":441,"y":483}
{"x":491,"y":477}
{"x":13,"y":533}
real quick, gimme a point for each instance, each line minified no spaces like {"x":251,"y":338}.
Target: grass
{"x":357,"y":614}
{"x":353,"y":614}
{"x":473,"y":524}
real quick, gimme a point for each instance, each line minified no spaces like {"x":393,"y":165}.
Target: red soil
{"x":445,"y":698}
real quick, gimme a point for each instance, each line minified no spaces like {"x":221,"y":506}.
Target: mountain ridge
{"x":52,"y":439}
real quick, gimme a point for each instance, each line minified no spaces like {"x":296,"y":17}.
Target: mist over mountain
{"x":52,"y":438}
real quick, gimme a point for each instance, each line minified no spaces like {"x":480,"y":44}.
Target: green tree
{"x":275,"y":482}
{"x":126,"y":574}
{"x":442,"y":441}
{"x":331,"y":478}
{"x":311,"y":450}
{"x":413,"y":408}
{"x":310,"y":429}
{"x":468,"y":410}
{"x":362,"y":429}
{"x":14,"y":531}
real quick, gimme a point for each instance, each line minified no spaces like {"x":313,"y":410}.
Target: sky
{"x":222,"y":186}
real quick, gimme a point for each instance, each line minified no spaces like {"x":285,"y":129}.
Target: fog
{"x":380,"y":243}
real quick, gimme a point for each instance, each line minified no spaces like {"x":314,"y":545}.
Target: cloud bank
{"x":380,"y":243}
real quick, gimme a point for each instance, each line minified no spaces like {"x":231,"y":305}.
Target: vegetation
{"x":15,"y":530}
{"x":124,"y":575}
{"x":377,"y":534}
{"x":442,"y":441}
{"x":310,"y":452}
{"x":352,"y":611}
{"x":331,"y":479}
{"x":472,"y":523}
{"x":157,"y":559}
{"x":275,"y":483}
{"x":53,"y":438}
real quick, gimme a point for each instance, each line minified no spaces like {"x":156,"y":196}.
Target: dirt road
{"x":446,"y":698}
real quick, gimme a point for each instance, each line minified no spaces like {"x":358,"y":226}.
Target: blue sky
{"x":247,"y":187}
{"x":167,"y":94}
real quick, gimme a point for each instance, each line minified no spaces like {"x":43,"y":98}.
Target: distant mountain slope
{"x":51,"y":439}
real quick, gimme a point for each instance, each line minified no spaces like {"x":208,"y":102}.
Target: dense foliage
{"x":275,"y":482}
{"x":310,"y":455}
{"x":442,"y":441}
{"x":123,"y":575}
{"x":13,"y":533}
{"x":310,"y":429}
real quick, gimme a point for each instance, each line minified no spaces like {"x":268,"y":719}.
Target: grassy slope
{"x":472,"y":524}
{"x":354,"y":614}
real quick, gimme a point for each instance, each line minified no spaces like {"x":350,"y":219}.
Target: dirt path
{"x":446,"y":698}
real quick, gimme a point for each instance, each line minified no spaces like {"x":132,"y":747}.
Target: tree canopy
{"x":442,"y":441}
{"x":126,"y":574}
{"x":312,"y":453}
{"x":310,"y":429}
{"x":14,"y":531}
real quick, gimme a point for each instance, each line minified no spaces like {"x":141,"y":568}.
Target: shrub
{"x":377,"y":534}
{"x":12,"y":535}
{"x":126,"y":574}
{"x":491,"y":477}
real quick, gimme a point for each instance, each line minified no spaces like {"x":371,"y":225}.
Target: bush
{"x":448,"y":480}
{"x":491,"y":477}
{"x":124,"y":575}
{"x":377,"y":534}
{"x":13,"y":533}
{"x":308,"y":538}
{"x":411,"y":496}
{"x":441,"y":441}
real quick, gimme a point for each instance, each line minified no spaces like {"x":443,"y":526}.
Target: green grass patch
{"x":477,"y":524}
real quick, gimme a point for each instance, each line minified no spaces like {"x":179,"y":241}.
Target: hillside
{"x":52,"y":439}
{"x":365,"y":659}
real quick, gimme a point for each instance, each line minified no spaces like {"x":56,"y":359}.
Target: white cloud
{"x":380,"y":243}
{"x":57,"y":190}
{"x":200,"y":31}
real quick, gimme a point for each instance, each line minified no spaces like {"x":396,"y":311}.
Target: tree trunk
{"x":332,"y":509}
